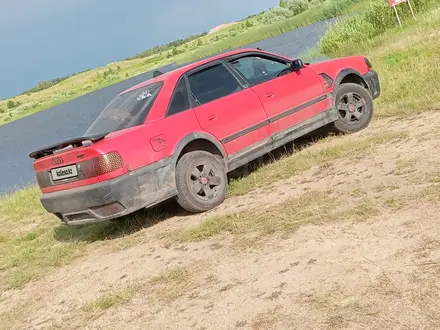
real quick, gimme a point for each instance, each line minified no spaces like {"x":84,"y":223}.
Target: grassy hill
{"x":293,"y":14}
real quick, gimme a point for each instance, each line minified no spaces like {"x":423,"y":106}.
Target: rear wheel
{"x":201,"y":181}
{"x":354,"y":105}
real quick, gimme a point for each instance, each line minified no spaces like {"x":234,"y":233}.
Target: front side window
{"x":126,"y":110}
{"x":259,"y":69}
{"x":213,"y":83}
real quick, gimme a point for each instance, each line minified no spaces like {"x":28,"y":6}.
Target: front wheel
{"x":354,"y":105}
{"x":201,"y":181}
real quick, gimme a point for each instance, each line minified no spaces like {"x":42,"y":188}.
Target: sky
{"x":46,"y":39}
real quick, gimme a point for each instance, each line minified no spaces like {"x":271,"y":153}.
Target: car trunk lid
{"x":66,"y":145}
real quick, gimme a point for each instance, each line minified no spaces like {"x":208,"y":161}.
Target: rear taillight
{"x":107,"y":163}
{"x":100,"y":165}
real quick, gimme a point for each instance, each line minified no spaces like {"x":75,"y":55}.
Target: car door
{"x":289,"y":97}
{"x":227,"y":109}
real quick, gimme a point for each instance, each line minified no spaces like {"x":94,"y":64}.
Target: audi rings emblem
{"x":57,"y":160}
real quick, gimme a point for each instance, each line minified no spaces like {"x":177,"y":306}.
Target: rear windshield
{"x":126,"y":110}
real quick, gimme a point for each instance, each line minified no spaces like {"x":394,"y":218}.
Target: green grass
{"x":406,"y":59}
{"x":33,"y":243}
{"x":308,"y":208}
{"x":406,"y":74}
{"x":313,"y":207}
{"x":165,"y":287}
{"x":18,"y":205}
{"x":28,"y":247}
{"x":375,"y":18}
{"x":171,"y":284}
{"x":110,"y":300}
{"x":161,"y":289}
{"x":325,"y":152}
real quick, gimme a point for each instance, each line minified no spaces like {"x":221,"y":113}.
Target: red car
{"x":178,"y":134}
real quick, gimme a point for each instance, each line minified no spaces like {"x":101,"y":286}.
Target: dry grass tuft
{"x":162,"y":289}
{"x":172,"y":284}
{"x":324,"y":151}
{"x":311,"y":207}
{"x":110,"y":300}
{"x":266,"y":320}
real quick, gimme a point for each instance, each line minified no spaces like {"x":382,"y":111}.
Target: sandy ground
{"x":379,"y":273}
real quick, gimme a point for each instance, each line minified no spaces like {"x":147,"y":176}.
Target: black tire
{"x":354,"y":105}
{"x":201,"y":181}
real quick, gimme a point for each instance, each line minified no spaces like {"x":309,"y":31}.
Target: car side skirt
{"x":257,"y":150}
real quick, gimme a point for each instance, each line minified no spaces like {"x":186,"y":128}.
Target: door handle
{"x":269,"y":95}
{"x":212,"y":117}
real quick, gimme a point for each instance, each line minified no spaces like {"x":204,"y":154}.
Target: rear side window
{"x":179,"y":101}
{"x":126,"y":110}
{"x":213,"y":83}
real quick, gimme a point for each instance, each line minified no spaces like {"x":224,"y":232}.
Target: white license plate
{"x":65,"y":172}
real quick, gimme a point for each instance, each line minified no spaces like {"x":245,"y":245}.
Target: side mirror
{"x":297,"y":65}
{"x":157,"y":73}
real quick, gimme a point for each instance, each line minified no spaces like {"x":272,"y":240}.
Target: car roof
{"x":179,"y":71}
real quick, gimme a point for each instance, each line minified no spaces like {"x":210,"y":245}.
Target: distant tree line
{"x":45,"y":84}
{"x":252,"y":16}
{"x":289,"y":8}
{"x":163,"y":48}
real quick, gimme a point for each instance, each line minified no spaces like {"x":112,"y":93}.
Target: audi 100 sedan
{"x":178,"y":134}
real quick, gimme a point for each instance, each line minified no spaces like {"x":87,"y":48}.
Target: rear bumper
{"x":114,"y":198}
{"x":372,"y":80}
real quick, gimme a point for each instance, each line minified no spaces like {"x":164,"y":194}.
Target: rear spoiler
{"x":76,"y":142}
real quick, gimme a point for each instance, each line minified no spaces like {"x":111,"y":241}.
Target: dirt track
{"x":374,"y":264}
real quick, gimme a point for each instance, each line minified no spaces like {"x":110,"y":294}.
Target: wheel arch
{"x":349,"y":76}
{"x":198,"y":141}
